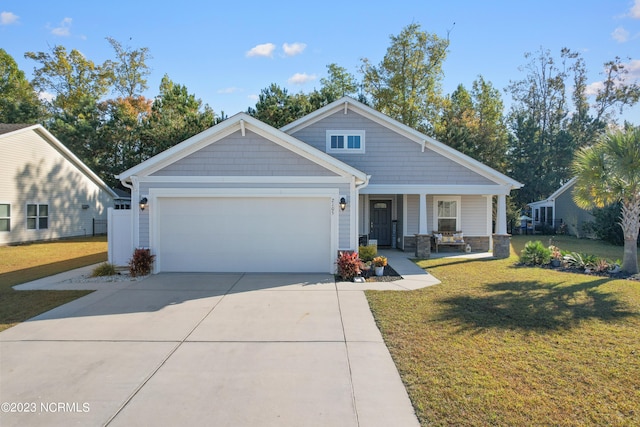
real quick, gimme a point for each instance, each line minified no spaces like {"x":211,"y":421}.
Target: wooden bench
{"x":448,"y":238}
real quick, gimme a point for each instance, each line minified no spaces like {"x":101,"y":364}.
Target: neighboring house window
{"x":447,"y":214}
{"x":37,"y":216}
{"x":5,"y":217}
{"x":345,"y":141}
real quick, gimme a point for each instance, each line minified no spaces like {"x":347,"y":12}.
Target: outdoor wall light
{"x":343,"y":203}
{"x":143,"y":203}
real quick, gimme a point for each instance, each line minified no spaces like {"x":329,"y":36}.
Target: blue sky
{"x":226,"y":52}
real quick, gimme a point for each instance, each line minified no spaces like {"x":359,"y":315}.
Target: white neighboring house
{"x":46,"y":192}
{"x":243,"y":196}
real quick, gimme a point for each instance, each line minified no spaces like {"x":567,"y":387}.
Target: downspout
{"x":135,"y":220}
{"x":357,"y":213}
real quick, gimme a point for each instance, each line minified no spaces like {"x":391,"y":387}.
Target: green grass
{"x":24,"y":263}
{"x":499,"y":344}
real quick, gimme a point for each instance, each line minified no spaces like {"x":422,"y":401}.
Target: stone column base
{"x":501,"y":245}
{"x":423,"y":246}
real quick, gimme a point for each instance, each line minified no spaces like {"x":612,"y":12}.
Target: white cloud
{"x":228,"y":90}
{"x":265,"y":49}
{"x":620,"y":34}
{"x":64,"y":29}
{"x":253,"y":97}
{"x":301,"y":78}
{"x":8,"y":18}
{"x":633,"y":73}
{"x":634,"y":69}
{"x":46,"y":96}
{"x":635,"y":10}
{"x":593,"y":88}
{"x":293,"y":49}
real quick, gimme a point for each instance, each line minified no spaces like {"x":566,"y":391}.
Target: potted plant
{"x":556,"y":256}
{"x":379,"y":263}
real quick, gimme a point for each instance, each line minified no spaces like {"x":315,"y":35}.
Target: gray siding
{"x":390,"y":158}
{"x":413,"y":214}
{"x":249,"y":155}
{"x":570,"y":213}
{"x":33,"y":171}
{"x":474,"y":215}
{"x":473,"y":212}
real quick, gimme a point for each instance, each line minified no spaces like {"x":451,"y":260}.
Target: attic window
{"x":345,"y":141}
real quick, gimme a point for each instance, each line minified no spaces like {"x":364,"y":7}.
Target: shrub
{"x":348,"y":265}
{"x":104,"y":269}
{"x":140,"y":263}
{"x":367,"y":253}
{"x":602,"y":265}
{"x":578,"y":260}
{"x":535,"y":253}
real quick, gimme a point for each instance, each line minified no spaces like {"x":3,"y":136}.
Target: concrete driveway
{"x":204,"y":349}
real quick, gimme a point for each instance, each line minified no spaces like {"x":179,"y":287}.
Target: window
{"x":447,"y":214}
{"x":5,"y":217}
{"x":37,"y":217}
{"x":347,"y":141}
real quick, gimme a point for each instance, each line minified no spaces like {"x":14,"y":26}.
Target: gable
{"x":33,"y":158}
{"x":248,"y":155}
{"x":242,"y":146}
{"x":447,"y":160}
{"x":390,"y":157}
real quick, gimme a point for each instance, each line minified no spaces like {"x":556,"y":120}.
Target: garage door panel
{"x":275,"y":234}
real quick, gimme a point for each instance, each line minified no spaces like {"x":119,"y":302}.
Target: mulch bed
{"x":617,"y":275}
{"x":389,"y":275}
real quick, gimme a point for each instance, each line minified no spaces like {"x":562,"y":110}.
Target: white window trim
{"x":6,"y":217}
{"x":346,"y":133}
{"x":37,"y":217}
{"x":458,"y":201}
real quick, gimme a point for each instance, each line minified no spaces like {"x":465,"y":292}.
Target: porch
{"x":407,"y":221}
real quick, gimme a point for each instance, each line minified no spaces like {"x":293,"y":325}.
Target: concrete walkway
{"x":207,"y":349}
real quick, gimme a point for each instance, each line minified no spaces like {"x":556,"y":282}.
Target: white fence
{"x":119,"y":236}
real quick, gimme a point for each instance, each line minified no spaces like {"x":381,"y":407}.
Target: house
{"x":244,"y":196}
{"x":46,"y":192}
{"x":559,"y":211}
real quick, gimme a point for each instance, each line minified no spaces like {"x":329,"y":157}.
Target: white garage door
{"x":248,"y":234}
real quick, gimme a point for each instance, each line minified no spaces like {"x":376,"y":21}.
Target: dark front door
{"x":380,"y":212}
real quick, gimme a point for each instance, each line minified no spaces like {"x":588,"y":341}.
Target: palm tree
{"x":609,"y":172}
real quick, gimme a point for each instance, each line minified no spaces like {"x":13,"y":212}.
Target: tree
{"x":19,"y":102}
{"x":277,"y":108}
{"x":616,"y":92}
{"x":130,"y":69}
{"x":554,"y":125}
{"x":406,"y":85}
{"x":121,"y":125}
{"x":123,"y":118}
{"x":472,"y":123}
{"x":492,"y":136}
{"x":540,"y":104}
{"x":76,"y":84}
{"x":176,"y":115}
{"x":607,"y":173}
{"x":71,"y":78}
{"x":337,"y":84}
{"x":458,"y":123}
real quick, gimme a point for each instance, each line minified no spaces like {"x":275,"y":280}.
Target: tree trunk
{"x":630,"y":258}
{"x":630,"y":222}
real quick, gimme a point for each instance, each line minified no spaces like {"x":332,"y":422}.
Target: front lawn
{"x":499,"y":344}
{"x":24,"y":263}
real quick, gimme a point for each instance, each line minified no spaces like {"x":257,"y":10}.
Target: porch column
{"x":422,"y":209}
{"x":423,"y":240}
{"x":501,"y":215}
{"x":501,"y":240}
